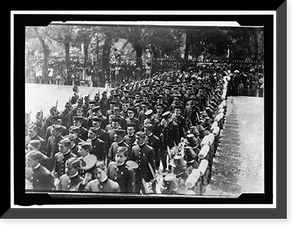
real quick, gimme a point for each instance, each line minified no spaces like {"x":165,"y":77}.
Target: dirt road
{"x":239,"y":165}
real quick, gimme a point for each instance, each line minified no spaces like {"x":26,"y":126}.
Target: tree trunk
{"x":255,"y":45}
{"x":139,"y":52}
{"x":67,"y":58}
{"x":46,"y":53}
{"x":106,"y":52}
{"x":187,"y":46}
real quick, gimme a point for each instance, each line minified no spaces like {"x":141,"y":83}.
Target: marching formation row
{"x":158,"y":135}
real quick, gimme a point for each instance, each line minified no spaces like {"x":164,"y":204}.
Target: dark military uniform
{"x":83,"y":133}
{"x":98,"y":148}
{"x":36,"y":137}
{"x":135,"y":121}
{"x":59,"y":162}
{"x":130,"y":139}
{"x":180,"y":120}
{"x":52,"y":145}
{"x":144,"y":156}
{"x":153,"y":141}
{"x":107,"y":186}
{"x":123,"y":175}
{"x":191,"y":114}
{"x":69,"y":183}
{"x":42,"y":179}
{"x":113,"y":150}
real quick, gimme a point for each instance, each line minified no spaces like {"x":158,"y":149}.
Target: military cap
{"x":160,"y":96}
{"x":35,"y":143}
{"x":139,"y":101}
{"x":112,"y":102}
{"x":166,"y":114}
{"x":122,"y":149}
{"x":75,"y":129}
{"x":68,"y":104}
{"x":130,"y":96}
{"x":176,"y":96}
{"x":116,"y":108}
{"x":77,"y":118}
{"x":145,"y":103}
{"x":193,"y":97}
{"x":55,"y":117}
{"x":96,"y":108}
{"x":126,"y":90}
{"x":96,"y":119}
{"x":120,"y":131}
{"x":32,"y":127}
{"x":79,"y":100}
{"x":93,"y":129}
{"x":131,"y":124}
{"x":140,"y":134}
{"x":130,"y":109}
{"x":71,"y":137}
{"x":73,"y":163}
{"x":159,"y":105}
{"x":149,"y":126}
{"x":104,"y":93}
{"x":177,"y":106}
{"x":35,"y":155}
{"x":65,"y":141}
{"x":116,"y":119}
{"x":148,"y":112}
{"x":92,"y":102}
{"x":57,"y":127}
{"x":85,"y":145}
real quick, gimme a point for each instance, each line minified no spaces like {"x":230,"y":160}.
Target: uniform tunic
{"x":107,"y":186}
{"x":67,"y":183}
{"x":98,"y":148}
{"x":144,"y":156}
{"x":59,"y":162}
{"x":153,"y":141}
{"x":123,"y":175}
{"x":42,"y":179}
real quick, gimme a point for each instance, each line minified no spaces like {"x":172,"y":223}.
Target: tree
{"x":65,"y":35}
{"x":41,"y":34}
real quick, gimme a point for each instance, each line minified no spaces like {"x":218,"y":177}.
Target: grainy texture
{"x":239,"y":162}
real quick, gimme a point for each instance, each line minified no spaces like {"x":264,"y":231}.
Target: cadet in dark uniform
{"x":53,"y":140}
{"x":191,"y":112}
{"x":118,"y":171}
{"x":180,"y":120}
{"x":153,"y":141}
{"x":32,"y":135}
{"x":144,"y":156}
{"x":98,"y":146}
{"x":169,"y":137}
{"x":83,"y":132}
{"x":74,"y":130}
{"x":56,"y":121}
{"x":130,"y":137}
{"x":150,"y":119}
{"x":118,"y":142}
{"x":132,"y":119}
{"x":40,"y":177}
{"x":102,"y":183}
{"x":70,"y":181}
{"x":62,"y":156}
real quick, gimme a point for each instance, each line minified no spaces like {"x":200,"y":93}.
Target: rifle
{"x":56,"y":106}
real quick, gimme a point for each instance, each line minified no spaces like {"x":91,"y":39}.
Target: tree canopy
{"x":96,"y":43}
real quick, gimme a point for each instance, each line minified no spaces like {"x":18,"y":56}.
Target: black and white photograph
{"x":147,"y":112}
